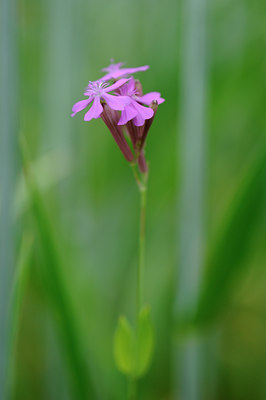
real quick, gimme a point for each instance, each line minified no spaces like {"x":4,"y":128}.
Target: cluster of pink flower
{"x":127,"y":98}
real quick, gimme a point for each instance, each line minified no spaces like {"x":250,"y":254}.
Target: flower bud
{"x":147,"y":125}
{"x":132,"y":131}
{"x":110,"y":118}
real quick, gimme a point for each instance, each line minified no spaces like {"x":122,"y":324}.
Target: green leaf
{"x":145,"y":342}
{"x":133,"y":352}
{"x":125,"y":347}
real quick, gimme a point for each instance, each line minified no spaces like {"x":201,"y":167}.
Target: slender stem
{"x":132,"y":389}
{"x":141,"y":180}
{"x":136,"y":175}
{"x":142,"y":190}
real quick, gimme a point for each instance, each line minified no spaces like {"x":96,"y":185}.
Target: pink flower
{"x":135,"y":118}
{"x":115,"y":71}
{"x":134,"y":110}
{"x":98,"y":91}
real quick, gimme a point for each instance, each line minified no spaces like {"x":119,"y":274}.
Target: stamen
{"x":95,"y":88}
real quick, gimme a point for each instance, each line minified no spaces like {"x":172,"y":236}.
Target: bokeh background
{"x":69,"y":232}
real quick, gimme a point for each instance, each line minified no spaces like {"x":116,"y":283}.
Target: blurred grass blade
{"x":46,"y":175}
{"x":191,"y":160}
{"x":65,"y":316}
{"x":9,"y":116}
{"x":18,"y":290}
{"x":228,"y":256}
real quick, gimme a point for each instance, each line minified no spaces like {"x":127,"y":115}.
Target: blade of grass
{"x":46,"y":175}
{"x":191,"y":230}
{"x":65,"y":315}
{"x":8,"y":130}
{"x":18,"y":290}
{"x":229,"y":253}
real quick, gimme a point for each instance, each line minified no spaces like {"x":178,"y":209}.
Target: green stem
{"x":142,"y":190}
{"x":136,"y":175}
{"x":141,"y":180}
{"x":132,"y":389}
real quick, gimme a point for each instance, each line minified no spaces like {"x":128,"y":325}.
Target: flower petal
{"x":128,"y":89}
{"x":143,"y":114}
{"x":127,"y":71}
{"x":127,"y":114}
{"x":113,"y":67}
{"x":149,"y":97}
{"x":116,"y":102}
{"x":80,"y":105}
{"x":131,"y":85}
{"x":95,"y":110}
{"x":115,"y":85}
{"x":138,"y":120}
{"x":137,"y":69}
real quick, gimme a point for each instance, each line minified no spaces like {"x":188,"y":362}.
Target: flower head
{"x":124,"y":112}
{"x":97,"y":91}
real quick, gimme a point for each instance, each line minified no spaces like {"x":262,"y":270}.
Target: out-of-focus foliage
{"x":78,"y":201}
{"x":133,"y":348}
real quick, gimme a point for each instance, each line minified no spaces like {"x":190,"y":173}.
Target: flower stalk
{"x":132,"y":389}
{"x":117,"y":98}
{"x":142,"y":229}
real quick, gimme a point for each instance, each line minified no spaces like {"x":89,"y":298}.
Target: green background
{"x":69,"y":236}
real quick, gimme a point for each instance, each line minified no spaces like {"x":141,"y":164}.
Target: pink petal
{"x":127,"y":71}
{"x":115,"y":85}
{"x":127,"y":114}
{"x":116,"y":102}
{"x":149,"y":97}
{"x":143,"y":114}
{"x":137,"y":69}
{"x":131,"y":85}
{"x":138,"y":120}
{"x":80,"y":105}
{"x":95,"y":110}
{"x":113,"y":67}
